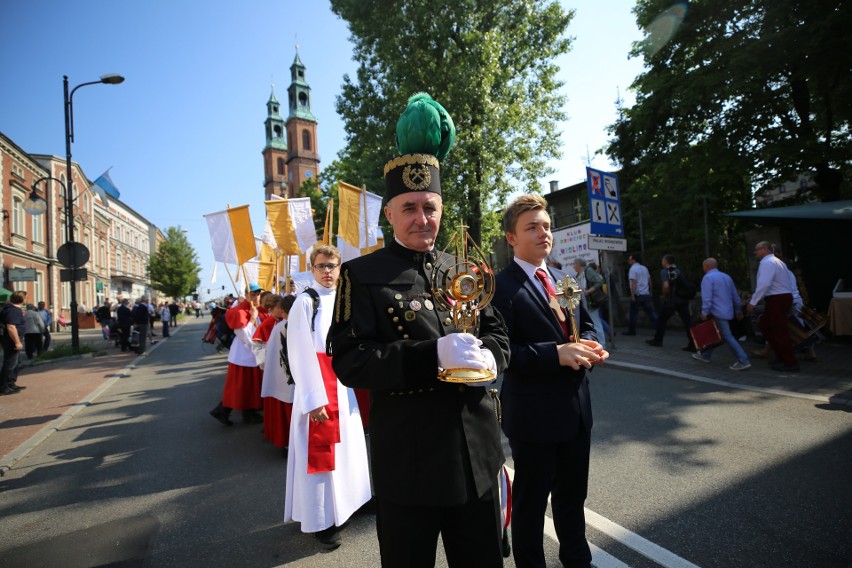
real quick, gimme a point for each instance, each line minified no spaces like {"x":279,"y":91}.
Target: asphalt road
{"x":687,"y":472}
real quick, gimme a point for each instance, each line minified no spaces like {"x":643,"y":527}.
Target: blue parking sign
{"x":604,"y":203}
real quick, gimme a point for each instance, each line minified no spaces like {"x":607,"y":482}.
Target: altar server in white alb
{"x":327,"y":471}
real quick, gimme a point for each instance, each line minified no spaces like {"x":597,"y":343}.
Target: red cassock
{"x":276,"y":414}
{"x":243,"y":382}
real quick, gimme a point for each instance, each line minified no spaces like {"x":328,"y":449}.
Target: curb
{"x":9,"y":460}
{"x":727,"y":384}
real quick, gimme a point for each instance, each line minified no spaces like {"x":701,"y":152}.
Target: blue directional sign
{"x":604,"y":204}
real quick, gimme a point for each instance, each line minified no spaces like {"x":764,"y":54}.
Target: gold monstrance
{"x":568,"y":294}
{"x":463,"y":284}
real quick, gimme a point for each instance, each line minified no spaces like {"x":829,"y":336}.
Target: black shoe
{"x":9,"y":391}
{"x":654,"y":342}
{"x":689,"y":349}
{"x":220,"y":414}
{"x":18,"y":388}
{"x":629,"y":333}
{"x":252,"y":417}
{"x":785,"y":369}
{"x":330,"y":537}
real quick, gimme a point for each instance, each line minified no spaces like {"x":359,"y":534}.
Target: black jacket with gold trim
{"x":431,"y":442}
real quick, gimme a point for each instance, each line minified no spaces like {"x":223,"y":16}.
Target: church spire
{"x":299,"y":92}
{"x":275,"y":135}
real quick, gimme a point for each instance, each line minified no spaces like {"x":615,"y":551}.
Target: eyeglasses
{"x":330,"y":266}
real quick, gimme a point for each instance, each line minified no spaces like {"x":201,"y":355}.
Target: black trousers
{"x":559,"y":470}
{"x":33,"y":344}
{"x":9,"y":372}
{"x":472,"y":533}
{"x":668,"y":311}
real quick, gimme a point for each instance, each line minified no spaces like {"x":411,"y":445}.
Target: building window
{"x":38,"y":288}
{"x":280,"y":166}
{"x":306,"y":140}
{"x":118,"y":265}
{"x":18,"y":216}
{"x":38,"y":228}
{"x":65,"y":301}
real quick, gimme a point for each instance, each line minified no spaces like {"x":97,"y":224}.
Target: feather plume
{"x":425,"y":127}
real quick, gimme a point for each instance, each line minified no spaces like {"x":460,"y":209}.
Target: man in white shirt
{"x":640,"y":293}
{"x":773,"y":286}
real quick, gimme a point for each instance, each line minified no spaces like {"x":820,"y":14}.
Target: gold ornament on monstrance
{"x":463,"y":284}
{"x":568,"y":295}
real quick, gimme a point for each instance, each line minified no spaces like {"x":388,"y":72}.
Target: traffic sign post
{"x":597,"y":242}
{"x":604,"y":203}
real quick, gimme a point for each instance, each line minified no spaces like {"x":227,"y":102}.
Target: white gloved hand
{"x":460,"y":350}
{"x":491,"y":365}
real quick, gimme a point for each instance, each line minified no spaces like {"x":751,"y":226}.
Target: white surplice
{"x":320,"y":500}
{"x":274,"y":378}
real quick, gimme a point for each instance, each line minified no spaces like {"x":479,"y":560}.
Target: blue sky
{"x":184,"y":133}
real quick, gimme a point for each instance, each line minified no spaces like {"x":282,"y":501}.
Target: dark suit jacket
{"x":542,"y":400}
{"x":431,"y":443}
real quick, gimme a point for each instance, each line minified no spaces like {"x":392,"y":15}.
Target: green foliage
{"x":65,"y":350}
{"x":174,"y":268}
{"x":743,"y":95}
{"x":490,"y":64}
{"x":760,"y":89}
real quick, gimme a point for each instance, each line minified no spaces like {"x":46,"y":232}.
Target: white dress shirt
{"x":772,"y":279}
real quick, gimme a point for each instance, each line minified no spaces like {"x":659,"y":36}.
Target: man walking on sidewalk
{"x":640,"y":293}
{"x":676,"y":297}
{"x":773,"y":286}
{"x":719,"y":300}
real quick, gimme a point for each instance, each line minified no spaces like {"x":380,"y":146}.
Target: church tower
{"x":303,"y":155}
{"x":275,"y":151}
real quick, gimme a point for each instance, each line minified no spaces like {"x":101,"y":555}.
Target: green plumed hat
{"x":425,"y":133}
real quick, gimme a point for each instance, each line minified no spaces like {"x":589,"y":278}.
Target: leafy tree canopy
{"x":490,"y":64}
{"x":174,"y":268}
{"x":762,"y":89}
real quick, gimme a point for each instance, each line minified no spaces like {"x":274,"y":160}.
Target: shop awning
{"x":830,"y":211}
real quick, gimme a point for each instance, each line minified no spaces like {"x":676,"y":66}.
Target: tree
{"x":761,"y":90}
{"x":174,"y":268}
{"x":490,"y":64}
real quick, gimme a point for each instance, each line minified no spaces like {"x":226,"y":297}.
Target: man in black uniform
{"x":435,"y":446}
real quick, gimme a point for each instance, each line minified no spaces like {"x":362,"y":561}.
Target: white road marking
{"x":629,"y":539}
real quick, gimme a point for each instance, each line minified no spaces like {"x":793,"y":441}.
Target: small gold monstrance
{"x":568,"y":294}
{"x":463,"y":284}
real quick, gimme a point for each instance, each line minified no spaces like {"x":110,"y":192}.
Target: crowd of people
{"x":777,"y":289}
{"x":364,"y":347}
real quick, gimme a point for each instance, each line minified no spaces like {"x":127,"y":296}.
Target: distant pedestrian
{"x":640,"y":293}
{"x":48,"y":319}
{"x":141,"y":322}
{"x":104,"y":316}
{"x":14,"y":328}
{"x":34,"y":335}
{"x":592,"y":285}
{"x":124,"y":321}
{"x":165,"y":316}
{"x":719,"y":300}
{"x":174,"y":310}
{"x":676,"y":299}
{"x":773,"y":286}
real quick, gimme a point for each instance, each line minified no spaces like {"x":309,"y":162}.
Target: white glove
{"x":460,"y":350}
{"x":491,"y":365}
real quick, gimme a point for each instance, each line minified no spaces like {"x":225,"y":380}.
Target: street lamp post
{"x":109,"y":79}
